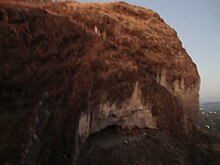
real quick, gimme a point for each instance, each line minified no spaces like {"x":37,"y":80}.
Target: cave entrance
{"x":109,"y":145}
{"x":93,"y":152}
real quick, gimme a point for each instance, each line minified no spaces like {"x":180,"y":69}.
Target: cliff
{"x":71,"y":70}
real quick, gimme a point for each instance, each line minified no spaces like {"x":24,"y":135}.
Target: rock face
{"x":69,"y":70}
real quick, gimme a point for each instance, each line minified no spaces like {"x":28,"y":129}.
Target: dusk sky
{"x":197,"y":23}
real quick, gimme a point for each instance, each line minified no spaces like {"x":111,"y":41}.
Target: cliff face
{"x":69,"y":70}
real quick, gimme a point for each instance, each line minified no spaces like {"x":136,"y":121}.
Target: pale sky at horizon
{"x":197,"y":23}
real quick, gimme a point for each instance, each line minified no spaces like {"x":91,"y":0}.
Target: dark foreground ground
{"x":137,"y":147}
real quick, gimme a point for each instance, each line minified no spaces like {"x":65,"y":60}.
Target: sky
{"x":197,"y":23}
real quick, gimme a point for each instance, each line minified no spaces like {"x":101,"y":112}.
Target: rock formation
{"x":69,"y":70}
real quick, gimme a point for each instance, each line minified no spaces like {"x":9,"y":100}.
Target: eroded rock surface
{"x":69,"y":70}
